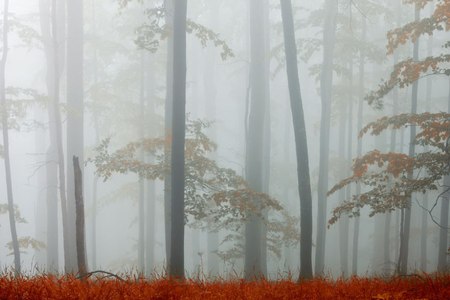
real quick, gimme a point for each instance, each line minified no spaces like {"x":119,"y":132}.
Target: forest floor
{"x":69,"y":287}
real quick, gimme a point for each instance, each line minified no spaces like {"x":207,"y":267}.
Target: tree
{"x":304,"y":185}
{"x":75,"y":115}
{"x":176,"y":260}
{"x":6,"y":155}
{"x":326,"y":84}
{"x":255,"y":137}
{"x":394,"y":185}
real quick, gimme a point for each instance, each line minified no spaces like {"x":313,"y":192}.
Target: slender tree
{"x":304,"y":185}
{"x":75,"y":109}
{"x":176,"y":262}
{"x":255,"y":137}
{"x":5,"y":132}
{"x":326,"y":84}
{"x":168,"y":4}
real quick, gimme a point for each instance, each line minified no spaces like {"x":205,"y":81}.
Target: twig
{"x":109,"y":274}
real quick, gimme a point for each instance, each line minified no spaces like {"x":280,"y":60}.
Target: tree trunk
{"x":404,"y":235}
{"x":6,"y":157}
{"x":176,"y":263}
{"x":79,"y":220}
{"x":168,"y":4}
{"x":443,"y":229}
{"x":51,"y":53}
{"x":75,"y":112}
{"x":361,"y":92}
{"x":301,"y":146}
{"x":326,"y":85}
{"x":254,"y":143}
{"x":343,"y":221}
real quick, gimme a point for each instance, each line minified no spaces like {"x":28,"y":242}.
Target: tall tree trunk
{"x":343,"y":221}
{"x":176,"y":263}
{"x":348,"y":191}
{"x":301,"y":146}
{"x":93,"y":262}
{"x":57,"y":18}
{"x":142,"y":181}
{"x":79,"y":220}
{"x":75,"y":113}
{"x":424,"y":216}
{"x":45,"y":7}
{"x":402,"y":268}
{"x":443,"y":229}
{"x":266,"y":133}
{"x":209,"y":83}
{"x":326,"y":85}
{"x":6,"y":157}
{"x":361,"y":92}
{"x":168,"y":4}
{"x":254,"y":143}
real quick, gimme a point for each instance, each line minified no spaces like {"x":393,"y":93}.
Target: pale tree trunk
{"x":75,"y":113}
{"x":168,"y":4}
{"x":6,"y":156}
{"x":301,"y":146}
{"x":266,"y":134}
{"x":254,"y":143}
{"x":402,"y":268}
{"x":209,"y":83}
{"x":424,"y":216}
{"x":93,"y":261}
{"x":443,"y":222}
{"x":361,"y":92}
{"x":326,"y":85}
{"x":56,"y":44}
{"x":52,"y":75}
{"x":142,"y":181}
{"x":343,"y":221}
{"x":176,"y":262}
{"x":348,"y":190}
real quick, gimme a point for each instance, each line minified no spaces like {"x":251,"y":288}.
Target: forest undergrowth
{"x":110,"y":286}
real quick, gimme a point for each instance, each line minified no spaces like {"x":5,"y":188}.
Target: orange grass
{"x":68,"y":287}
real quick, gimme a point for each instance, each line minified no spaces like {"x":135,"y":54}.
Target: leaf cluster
{"x":389,"y":175}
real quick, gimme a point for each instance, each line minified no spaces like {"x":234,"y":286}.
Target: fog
{"x":94,"y":78}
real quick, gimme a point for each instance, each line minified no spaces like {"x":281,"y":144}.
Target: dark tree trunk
{"x":79,"y":220}
{"x":254,"y":142}
{"x":176,"y":262}
{"x":301,"y":146}
{"x":6,"y":156}
{"x":326,"y":85}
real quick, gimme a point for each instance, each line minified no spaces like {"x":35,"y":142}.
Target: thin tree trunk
{"x":404,"y":241}
{"x":343,"y":222}
{"x":168,"y":4}
{"x":254,"y":142}
{"x":176,"y":264}
{"x":75,"y":112}
{"x":301,"y":146}
{"x":59,"y":137}
{"x":326,"y":85}
{"x":6,"y":157}
{"x":443,"y":229}
{"x":79,"y":220}
{"x":51,"y":155}
{"x":359,"y":146}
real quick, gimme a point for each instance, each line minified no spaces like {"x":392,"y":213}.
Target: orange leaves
{"x":395,"y":163}
{"x":50,"y":287}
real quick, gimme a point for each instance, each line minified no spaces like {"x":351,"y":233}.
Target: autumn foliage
{"x":69,"y":287}
{"x":386,"y":174}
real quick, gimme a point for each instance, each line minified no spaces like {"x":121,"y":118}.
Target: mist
{"x":208,"y":150}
